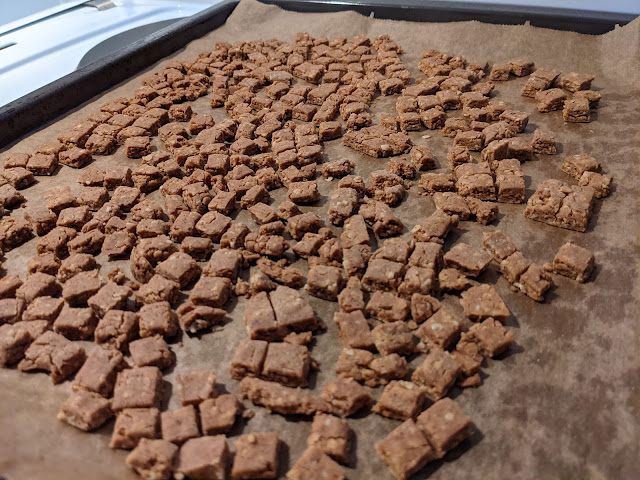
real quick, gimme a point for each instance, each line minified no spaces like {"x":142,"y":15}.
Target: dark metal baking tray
{"x":46,"y":104}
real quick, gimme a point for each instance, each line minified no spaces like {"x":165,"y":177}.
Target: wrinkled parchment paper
{"x":563,"y":404}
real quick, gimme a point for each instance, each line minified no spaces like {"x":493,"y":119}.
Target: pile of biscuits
{"x":188,"y":255}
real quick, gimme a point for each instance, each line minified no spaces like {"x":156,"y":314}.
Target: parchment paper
{"x":563,"y":404}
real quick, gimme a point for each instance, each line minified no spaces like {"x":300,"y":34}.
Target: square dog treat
{"x":125,"y":197}
{"x":351,"y":298}
{"x":422,"y":157}
{"x":158,"y":289}
{"x":354,"y":329}
{"x":248,"y":359}
{"x":394,"y":337}
{"x":325,"y":282}
{"x":38,"y":285}
{"x":387,"y":307}
{"x":85,"y":410}
{"x":134,"y":424}
{"x":433,"y":118}
{"x":195,"y":387}
{"x":184,"y":225}
{"x":213,"y":225}
{"x":514,"y":266}
{"x":42,"y":220}
{"x":437,"y":373}
{"x":496,"y":150}
{"x":452,"y":204}
{"x":574,"y":82}
{"x":75,"y":157}
{"x":179,"y":268}
{"x":260,"y":319}
{"x":303,"y":192}
{"x":329,"y":130}
{"x":593,"y":97}
{"x":576,"y":110}
{"x":158,"y":319}
{"x":292,"y":311}
{"x":312,"y":462}
{"x":139,"y":387}
{"x":74,"y":217}
{"x":445,"y":425}
{"x":517,"y":121}
{"x":93,"y":197}
{"x":400,"y":400}
{"x":116,"y":177}
{"x":472,"y":140}
{"x":14,"y":341}
{"x":561,"y":205}
{"x":405,"y":450}
{"x":78,"y":289}
{"x":151,"y":351}
{"x":474,"y":180}
{"x":211,"y":291}
{"x":572,"y":261}
{"x":197,"y":317}
{"x":510,"y":183}
{"x":423,"y":307}
{"x":42,"y":164}
{"x":137,"y":147}
{"x":500,"y":72}
{"x":492,"y":338}
{"x":287,"y":364}
{"x":451,"y":280}
{"x":198,"y":248}
{"x":18,"y":177}
{"x":9,"y":285}
{"x":395,"y":249}
{"x":441,"y":330}
{"x":110,"y":297}
{"x":468,"y":259}
{"x":116,"y":329}
{"x":576,"y":165}
{"x":206,"y":457}
{"x":601,"y":184}
{"x":256,"y":456}
{"x":98,"y":373}
{"x":534,"y":282}
{"x":225,"y":262}
{"x":179,"y":425}
{"x":14,"y":160}
{"x":148,"y":228}
{"x":483,"y":301}
{"x":345,"y":395}
{"x":54,"y":354}
{"x":153,"y":459}
{"x":331,"y":435}
{"x":343,"y":202}
{"x":498,"y":245}
{"x":76,"y":323}
{"x":521,"y":67}
{"x":551,"y":100}
{"x":47,"y":263}
{"x":437,"y":182}
{"x":383,"y":275}
{"x":459,"y":155}
{"x":218,"y":415}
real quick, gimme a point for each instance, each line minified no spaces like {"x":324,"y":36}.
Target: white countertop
{"x":52,"y":47}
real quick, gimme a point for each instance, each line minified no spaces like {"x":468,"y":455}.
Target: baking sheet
{"x":562,"y":404}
